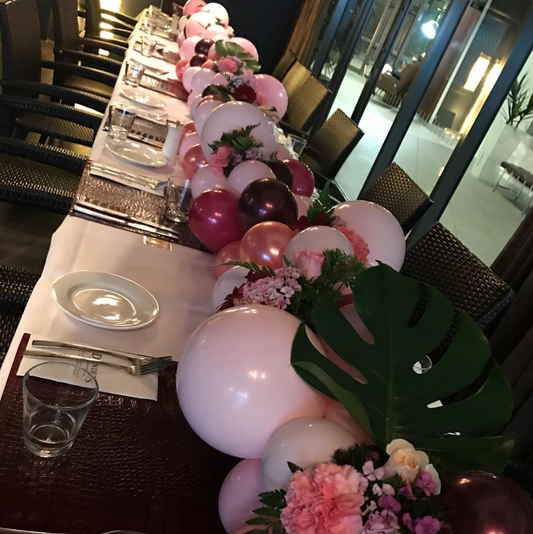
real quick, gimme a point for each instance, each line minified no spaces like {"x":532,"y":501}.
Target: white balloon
{"x":194,"y":105}
{"x":187,"y":143}
{"x":215,"y":33}
{"x":202,"y":113}
{"x":219,"y":12}
{"x":198,"y":23}
{"x":337,"y":413}
{"x":220,"y":79}
{"x":202,"y":79}
{"x":283,"y":152}
{"x":182,"y":23}
{"x":317,"y":239}
{"x":225,"y":285}
{"x":188,"y":74}
{"x":305,"y":442}
{"x":303,"y":204}
{"x":247,"y":172}
{"x":190,"y":99}
{"x":204,"y":180}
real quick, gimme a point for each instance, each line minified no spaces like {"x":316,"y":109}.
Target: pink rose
{"x":219,"y":160}
{"x":309,"y":263}
{"x":227,"y":64}
{"x":359,"y":245}
{"x":262,"y":99}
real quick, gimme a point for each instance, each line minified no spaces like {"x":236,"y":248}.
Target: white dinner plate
{"x":138,"y":153}
{"x":142,"y":97}
{"x":105,"y":300}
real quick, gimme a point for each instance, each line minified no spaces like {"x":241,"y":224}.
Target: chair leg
{"x":499,"y":179}
{"x":520,"y":192}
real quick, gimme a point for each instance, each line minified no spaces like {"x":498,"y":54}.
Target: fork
{"x":136,"y":368}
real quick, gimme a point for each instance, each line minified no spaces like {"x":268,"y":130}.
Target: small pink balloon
{"x":198,"y":23}
{"x":246,"y":45}
{"x":215,"y":33}
{"x":187,"y":49}
{"x":187,"y":143}
{"x":193,"y":161}
{"x":337,"y":413}
{"x":194,"y":105}
{"x":188,"y":74}
{"x":209,"y":64}
{"x":202,"y":113}
{"x":181,"y":38}
{"x":247,"y":172}
{"x":303,"y":204}
{"x":317,"y":239}
{"x":190,"y":99}
{"x":220,"y":79}
{"x":274,"y":92}
{"x":188,"y":129}
{"x":303,"y":179}
{"x":283,"y":152}
{"x":181,"y":65}
{"x":239,"y":495}
{"x":202,"y":79}
{"x":204,"y":180}
{"x":214,"y":219}
{"x":193,"y":6}
{"x":228,"y":253}
{"x":218,"y":11}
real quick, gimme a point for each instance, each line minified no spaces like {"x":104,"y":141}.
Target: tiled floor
{"x":481,"y":218}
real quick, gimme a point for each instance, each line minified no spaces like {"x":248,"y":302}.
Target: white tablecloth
{"x":181,"y":278}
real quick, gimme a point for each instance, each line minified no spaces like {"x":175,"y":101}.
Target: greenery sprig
{"x":240,"y":140}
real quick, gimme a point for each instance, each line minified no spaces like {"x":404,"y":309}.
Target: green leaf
{"x":394,"y":401}
{"x":274,"y":499}
{"x":293,"y":467}
{"x":322,"y":205}
{"x":266,"y":511}
{"x":259,"y":521}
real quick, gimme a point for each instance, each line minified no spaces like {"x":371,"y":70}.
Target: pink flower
{"x":262,"y":99}
{"x":389,"y":503}
{"x":219,"y":160}
{"x":325,"y":499}
{"x":426,"y":484}
{"x":227,"y":64}
{"x":407,"y":492}
{"x":309,"y":263}
{"x":360,"y":246}
{"x":408,"y":521}
{"x":371,"y":473}
{"x":427,"y":525}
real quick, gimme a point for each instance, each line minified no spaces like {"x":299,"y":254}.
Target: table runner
{"x":135,"y":465}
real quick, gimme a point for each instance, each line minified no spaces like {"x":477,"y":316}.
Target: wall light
{"x":477,"y":72}
{"x":429,"y":28}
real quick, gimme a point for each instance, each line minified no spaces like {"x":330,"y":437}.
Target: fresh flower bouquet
{"x":241,"y":87}
{"x":234,"y":59}
{"x":360,"y":491}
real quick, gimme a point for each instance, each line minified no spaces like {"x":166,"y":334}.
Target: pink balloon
{"x":198,"y":23}
{"x":188,"y":129}
{"x":378,"y":227}
{"x":218,"y":11}
{"x":181,"y":38}
{"x":202,"y":79}
{"x":246,"y":45}
{"x":274,"y":92}
{"x":303,"y":182}
{"x":234,"y":115}
{"x":247,"y":172}
{"x":188,"y":75}
{"x":283,"y":152}
{"x":228,"y":253}
{"x":187,"y":49}
{"x":202,"y":113}
{"x":182,"y":23}
{"x":214,"y":219}
{"x":187,"y":143}
{"x":337,"y":413}
{"x":193,"y":6}
{"x":227,"y":283}
{"x":239,"y":495}
{"x":220,"y":79}
{"x":190,"y":99}
{"x":181,"y":65}
{"x":204,"y":180}
{"x":265,"y":243}
{"x":317,"y":239}
{"x":193,"y":161}
{"x":235,"y":398}
{"x":194,"y":105}
{"x":215,"y":33}
{"x":303,"y":204}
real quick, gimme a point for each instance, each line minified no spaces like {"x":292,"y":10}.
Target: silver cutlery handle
{"x":74,"y":357}
{"x":43,"y":344}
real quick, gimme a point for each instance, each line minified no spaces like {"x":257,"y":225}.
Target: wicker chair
{"x":38,"y":176}
{"x":395,"y":191}
{"x":295,"y":78}
{"x":284,"y":64}
{"x":122,"y":25}
{"x":439,"y":259}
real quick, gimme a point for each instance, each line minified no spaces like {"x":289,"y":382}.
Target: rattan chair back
{"x":333,"y":142}
{"x":66,"y":31}
{"x":284,"y":64}
{"x":93,"y":17}
{"x":295,"y":78}
{"x":397,"y":192}
{"x":439,"y":259}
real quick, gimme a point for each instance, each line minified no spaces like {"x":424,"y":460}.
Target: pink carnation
{"x":219,"y":160}
{"x":227,"y":64}
{"x":262,"y":99}
{"x":309,"y":263}
{"x":360,"y":246}
{"x":325,"y":499}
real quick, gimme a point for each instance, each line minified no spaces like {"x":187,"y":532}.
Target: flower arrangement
{"x":362,"y":490}
{"x":233,"y":59}
{"x":241,"y":87}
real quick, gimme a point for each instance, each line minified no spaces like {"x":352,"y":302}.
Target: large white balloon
{"x":202,"y":79}
{"x":337,"y":413}
{"x":204,"y":180}
{"x":246,"y":45}
{"x":305,"y":442}
{"x":317,"y":239}
{"x":188,"y":75}
{"x":234,"y":277}
{"x":202,"y":113}
{"x":378,"y":227}
{"x":274,"y":92}
{"x":247,"y":172}
{"x":198,"y":23}
{"x":218,"y":11}
{"x":187,"y":49}
{"x":235,"y":115}
{"x":236,"y":385}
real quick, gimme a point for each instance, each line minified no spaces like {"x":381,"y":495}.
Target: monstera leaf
{"x":394,"y":401}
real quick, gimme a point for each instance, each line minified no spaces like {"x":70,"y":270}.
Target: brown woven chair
{"x":295,"y":78}
{"x":439,"y":259}
{"x":284,"y":64}
{"x":397,"y":192}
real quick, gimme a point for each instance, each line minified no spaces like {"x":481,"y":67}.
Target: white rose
{"x":405,"y":460}
{"x":435,"y":476}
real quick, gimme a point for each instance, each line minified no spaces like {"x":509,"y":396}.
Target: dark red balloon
{"x":282,"y":171}
{"x":203,"y":46}
{"x":303,"y":178}
{"x":198,"y":60}
{"x":267,"y":199}
{"x":214,"y":219}
{"x":482,"y":503}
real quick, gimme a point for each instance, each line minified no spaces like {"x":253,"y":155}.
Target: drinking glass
{"x":298,"y":144}
{"x":57,"y":398}
{"x":148,"y":45}
{"x":150,"y":23}
{"x":177,"y":201}
{"x":121,"y":122}
{"x":133,"y":73}
{"x":423,"y":366}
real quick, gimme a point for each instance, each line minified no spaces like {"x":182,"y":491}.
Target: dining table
{"x":136,"y":463}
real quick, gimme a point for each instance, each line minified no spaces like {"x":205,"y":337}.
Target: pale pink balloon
{"x":228,"y":253}
{"x":202,"y":113}
{"x":188,"y":76}
{"x":198,"y":23}
{"x":193,"y":161}
{"x":220,"y":79}
{"x":303,"y":204}
{"x":283,"y":152}
{"x":247,"y":172}
{"x":182,"y":23}
{"x":194,"y":105}
{"x":274,"y":91}
{"x":215,"y":33}
{"x":235,"y":382}
{"x":243,"y":530}
{"x":202,"y":79}
{"x":235,"y":115}
{"x":337,"y":413}
{"x":181,"y":38}
{"x":187,"y":48}
{"x":193,"y":6}
{"x":191,"y":98}
{"x":204,"y":180}
{"x":378,"y":227}
{"x":218,"y":11}
{"x":234,"y":277}
{"x":239,"y":495}
{"x":246,"y":45}
{"x":187,"y":143}
{"x":318,"y":239}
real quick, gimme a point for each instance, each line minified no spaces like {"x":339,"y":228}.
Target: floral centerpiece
{"x":233,"y":59}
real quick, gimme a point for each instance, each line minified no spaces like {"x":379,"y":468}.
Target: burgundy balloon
{"x":203,"y":46}
{"x":267,"y":199}
{"x":198,"y":60}
{"x":282,"y":171}
{"x":482,"y":503}
{"x":303,"y":178}
{"x":193,"y":161}
{"x":214,"y":219}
